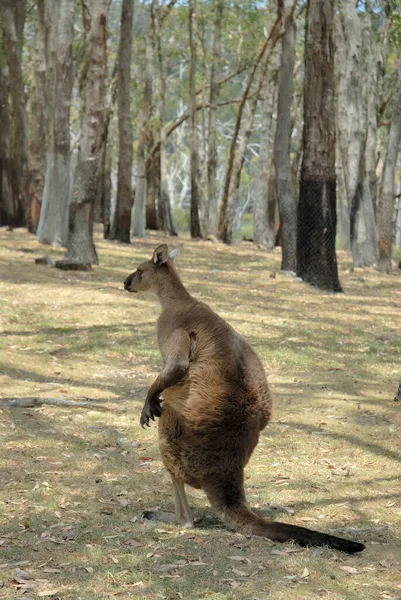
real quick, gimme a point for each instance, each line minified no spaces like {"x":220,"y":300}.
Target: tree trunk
{"x":12,"y":20}
{"x":317,"y":263}
{"x":385,"y":221}
{"x":195,"y":185}
{"x":287,"y":203}
{"x":211,"y":201}
{"x":37,"y":121}
{"x":352,"y":128}
{"x":152,"y":192}
{"x":164,"y":218}
{"x":263,"y":223}
{"x":53,"y":222}
{"x":103,"y":207}
{"x":138,"y":225}
{"x":124,"y":182}
{"x":80,"y":239}
{"x":7,"y":208}
{"x":105,"y":179}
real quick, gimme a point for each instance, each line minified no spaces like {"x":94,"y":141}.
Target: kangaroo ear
{"x":174,"y":252}
{"x":160,"y":255}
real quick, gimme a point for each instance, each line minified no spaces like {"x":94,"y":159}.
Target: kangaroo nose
{"x":126,"y":283}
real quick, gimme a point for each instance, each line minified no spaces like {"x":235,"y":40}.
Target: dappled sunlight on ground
{"x":74,"y":481}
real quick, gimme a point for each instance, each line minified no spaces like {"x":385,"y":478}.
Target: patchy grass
{"x":75,"y":481}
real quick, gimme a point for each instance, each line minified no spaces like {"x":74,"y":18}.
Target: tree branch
{"x":33,"y":401}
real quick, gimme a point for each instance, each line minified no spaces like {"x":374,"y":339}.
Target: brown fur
{"x":215,"y":402}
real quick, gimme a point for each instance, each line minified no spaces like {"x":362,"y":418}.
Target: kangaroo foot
{"x":166,"y":517}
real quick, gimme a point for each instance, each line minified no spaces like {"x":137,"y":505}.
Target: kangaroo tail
{"x":240,"y":518}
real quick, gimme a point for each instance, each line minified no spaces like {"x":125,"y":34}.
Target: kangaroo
{"x":215,"y":402}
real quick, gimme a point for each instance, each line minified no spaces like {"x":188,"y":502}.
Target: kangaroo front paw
{"x":152,"y":408}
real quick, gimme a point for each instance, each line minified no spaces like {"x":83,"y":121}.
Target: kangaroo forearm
{"x":170,"y":375}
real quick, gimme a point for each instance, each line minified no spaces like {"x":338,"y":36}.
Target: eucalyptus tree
{"x":58,"y":41}
{"x":386,"y":225}
{"x":316,"y":255}
{"x":287,"y":203}
{"x":125,"y":131}
{"x":37,"y":131}
{"x":15,"y":153}
{"x":80,"y":246}
{"x":352,"y":127}
{"x":195,"y":183}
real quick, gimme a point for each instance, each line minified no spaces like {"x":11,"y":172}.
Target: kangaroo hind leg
{"x":182,"y":515}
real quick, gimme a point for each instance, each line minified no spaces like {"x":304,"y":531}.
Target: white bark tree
{"x":80,"y":247}
{"x":59,"y":26}
{"x":352,"y":130}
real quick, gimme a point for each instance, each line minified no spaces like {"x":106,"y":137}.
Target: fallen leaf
{"x":237,"y":558}
{"x":166,"y":568}
{"x":386,"y":563}
{"x":239,"y":573}
{"x":351,"y":570}
{"x":305,"y":573}
{"x":50,"y":570}
{"x":48,"y":592}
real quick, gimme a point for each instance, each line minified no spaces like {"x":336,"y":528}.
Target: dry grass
{"x":74,"y":481}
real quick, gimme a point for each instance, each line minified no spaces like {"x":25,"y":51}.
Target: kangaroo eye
{"x":139,"y":272}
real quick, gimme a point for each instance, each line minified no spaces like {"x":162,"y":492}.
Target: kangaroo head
{"x":150,"y":273}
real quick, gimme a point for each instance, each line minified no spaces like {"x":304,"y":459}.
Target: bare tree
{"x":124,"y":181}
{"x":80,"y":246}
{"x":59,"y":26}
{"x":316,"y":255}
{"x":387,"y":191}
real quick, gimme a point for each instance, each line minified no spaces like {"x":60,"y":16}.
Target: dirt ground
{"x":75,"y":480}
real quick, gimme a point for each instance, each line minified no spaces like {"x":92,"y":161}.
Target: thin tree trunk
{"x":385,"y":220}
{"x":195,"y":185}
{"x":164,"y":219}
{"x":287,"y":204}
{"x":124,"y":182}
{"x":317,"y":263}
{"x":103,"y":198}
{"x":105,"y":178}
{"x":53,"y":222}
{"x":152,"y":191}
{"x":12,"y":20}
{"x":7,"y":208}
{"x":263,"y":224}
{"x":80,"y":235}
{"x":211,"y":201}
{"x":37,"y":121}
{"x":138,"y":225}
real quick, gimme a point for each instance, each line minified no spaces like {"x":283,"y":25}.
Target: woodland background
{"x":189,"y":117}
{"x":220,"y":120}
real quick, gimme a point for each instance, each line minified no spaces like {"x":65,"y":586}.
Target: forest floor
{"x":74,"y":480}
